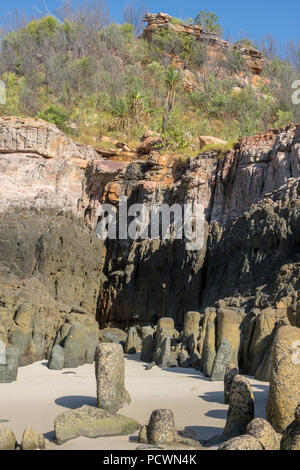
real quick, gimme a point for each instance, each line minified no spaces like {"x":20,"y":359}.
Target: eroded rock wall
{"x":49,"y":258}
{"x":53,"y":265}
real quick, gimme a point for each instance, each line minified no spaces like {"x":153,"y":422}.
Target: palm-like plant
{"x":172,"y":78}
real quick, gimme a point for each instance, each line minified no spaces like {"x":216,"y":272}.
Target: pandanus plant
{"x":171,"y":79}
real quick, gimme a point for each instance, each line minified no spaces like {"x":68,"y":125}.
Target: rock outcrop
{"x":92,"y":422}
{"x":230,"y":372}
{"x":55,"y":271}
{"x":241,"y":407}
{"x":32,"y":440}
{"x":291,"y":435}
{"x":284,"y":393}
{"x":110,"y":376}
{"x":7,"y":439}
{"x":163,"y":21}
{"x":264,"y":433}
{"x":244,"y":442}
{"x":161,"y":427}
{"x":49,"y":258}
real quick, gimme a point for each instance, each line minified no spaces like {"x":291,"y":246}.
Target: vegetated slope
{"x":93,"y":78}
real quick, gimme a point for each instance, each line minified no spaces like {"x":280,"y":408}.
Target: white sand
{"x":40,"y":394}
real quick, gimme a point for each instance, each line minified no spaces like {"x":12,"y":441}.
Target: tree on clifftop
{"x":209,"y":21}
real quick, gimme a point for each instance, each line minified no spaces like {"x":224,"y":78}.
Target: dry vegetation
{"x":93,"y":78}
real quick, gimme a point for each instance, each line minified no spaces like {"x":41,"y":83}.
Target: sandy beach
{"x":40,"y":394}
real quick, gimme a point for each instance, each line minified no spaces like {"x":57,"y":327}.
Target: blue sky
{"x":253,"y":19}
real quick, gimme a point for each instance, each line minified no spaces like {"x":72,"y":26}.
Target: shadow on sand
{"x":75,"y":401}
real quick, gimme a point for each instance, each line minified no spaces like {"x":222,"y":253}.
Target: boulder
{"x":230,"y":373}
{"x":165,"y":326}
{"x":183,"y":358}
{"x":143,"y":439}
{"x":9,"y":365}
{"x":162,"y":355}
{"x":228,"y":327}
{"x":262,"y":336}
{"x":284,"y":390}
{"x":133,"y":341}
{"x":149,"y":141}
{"x":113,"y":335}
{"x":291,"y":435}
{"x":75,"y":346}
{"x":264,"y":433}
{"x":161,"y":427}
{"x":241,"y":407}
{"x":209,"y":348}
{"x":191,"y":330}
{"x":210,"y":140}
{"x":7,"y":439}
{"x":147,"y":344}
{"x":91,"y":422}
{"x":222,"y":359}
{"x":32,"y":440}
{"x":57,"y":358}
{"x":110,"y":376}
{"x":244,"y":442}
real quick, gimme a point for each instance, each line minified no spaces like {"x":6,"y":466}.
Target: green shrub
{"x":57,"y":116}
{"x":43,"y":28}
{"x":284,"y":118}
{"x":209,"y":21}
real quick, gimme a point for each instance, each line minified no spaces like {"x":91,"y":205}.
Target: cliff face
{"x":53,"y":266}
{"x":148,"y":279}
{"x":49,"y":260}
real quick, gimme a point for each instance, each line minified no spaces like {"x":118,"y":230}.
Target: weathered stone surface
{"x":9,"y":366}
{"x":165,"y":326}
{"x":244,"y":442}
{"x":65,"y":257}
{"x":57,"y":358}
{"x":7,"y":439}
{"x":262,"y":336}
{"x":51,"y":260}
{"x":143,"y":438}
{"x":110,"y":375}
{"x":209,"y":348}
{"x":191,"y":330}
{"x":230,"y":373}
{"x":228,"y":328}
{"x":113,"y":335}
{"x":291,"y":435}
{"x":75,"y":345}
{"x":149,"y":141}
{"x":208,"y":140}
{"x":284,"y":392}
{"x":264,"y":433}
{"x":32,"y":440}
{"x":41,"y":165}
{"x":162,"y":355}
{"x":148,"y":344}
{"x":241,"y":407}
{"x":133,"y":342}
{"x":90,"y":422}
{"x":161,"y":427}
{"x":222,"y":359}
{"x":79,"y":337}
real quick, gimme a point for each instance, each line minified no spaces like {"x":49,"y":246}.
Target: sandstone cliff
{"x":53,"y":266}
